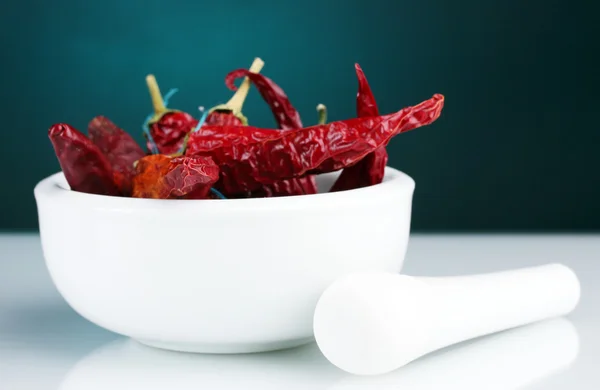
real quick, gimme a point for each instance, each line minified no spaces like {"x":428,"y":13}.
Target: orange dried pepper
{"x":164,"y":177}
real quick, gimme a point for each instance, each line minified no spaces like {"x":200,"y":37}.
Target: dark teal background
{"x":516,"y":147}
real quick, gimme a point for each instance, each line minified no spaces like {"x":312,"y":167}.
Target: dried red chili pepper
{"x":148,"y":172}
{"x":164,"y":177}
{"x":371,"y":169}
{"x":285,"y":114}
{"x":287,"y":118}
{"x":83,"y":164}
{"x":367,"y":172}
{"x":167,"y":128}
{"x":247,"y":163}
{"x":214,"y":137}
{"x":120,"y":149}
{"x":230,"y":113}
{"x":305,"y":185}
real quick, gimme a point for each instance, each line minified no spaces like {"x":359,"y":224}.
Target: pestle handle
{"x":372,"y":323}
{"x":473,"y":306}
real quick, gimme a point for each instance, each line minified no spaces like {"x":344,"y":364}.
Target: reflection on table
{"x":508,"y":360}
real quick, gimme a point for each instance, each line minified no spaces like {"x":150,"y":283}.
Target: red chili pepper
{"x":371,"y":169}
{"x":287,"y":118}
{"x":167,"y":128}
{"x":170,"y":131}
{"x":164,"y":177}
{"x":247,"y":163}
{"x":83,"y":164}
{"x":215,"y":137}
{"x":285,"y":114}
{"x":230,"y":113}
{"x":119,"y":147}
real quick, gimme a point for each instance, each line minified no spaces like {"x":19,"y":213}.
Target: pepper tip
{"x":58,"y":129}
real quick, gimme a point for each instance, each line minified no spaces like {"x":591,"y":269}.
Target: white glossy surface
{"x":45,"y":345}
{"x":224,"y":276}
{"x":373,"y":323}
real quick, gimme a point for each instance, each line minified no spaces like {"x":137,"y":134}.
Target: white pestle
{"x":374,"y":323}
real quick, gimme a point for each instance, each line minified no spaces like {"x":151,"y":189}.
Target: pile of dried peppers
{"x":221,"y":156}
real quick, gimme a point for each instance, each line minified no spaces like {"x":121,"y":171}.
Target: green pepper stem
{"x":157,"y":101}
{"x":236,"y":102}
{"x":322,"y":111}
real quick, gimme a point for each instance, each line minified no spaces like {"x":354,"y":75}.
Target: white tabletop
{"x":45,"y":345}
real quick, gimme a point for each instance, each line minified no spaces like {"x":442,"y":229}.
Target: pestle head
{"x":372,"y":323}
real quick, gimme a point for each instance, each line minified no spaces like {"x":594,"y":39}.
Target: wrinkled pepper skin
{"x":252,"y":157}
{"x":170,"y":130}
{"x":164,"y":177}
{"x":83,"y":164}
{"x":371,"y":169}
{"x":287,"y":118}
{"x":217,"y":137}
{"x":289,"y":187}
{"x":305,"y":185}
{"x":285,"y":114}
{"x":120,"y":149}
{"x":222,"y":118}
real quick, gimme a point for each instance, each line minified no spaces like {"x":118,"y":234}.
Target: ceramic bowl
{"x":217,"y":276}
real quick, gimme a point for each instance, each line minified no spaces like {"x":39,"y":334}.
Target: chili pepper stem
{"x":236,"y":102}
{"x":234,"y":105}
{"x":322,"y":111}
{"x":157,"y":101}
